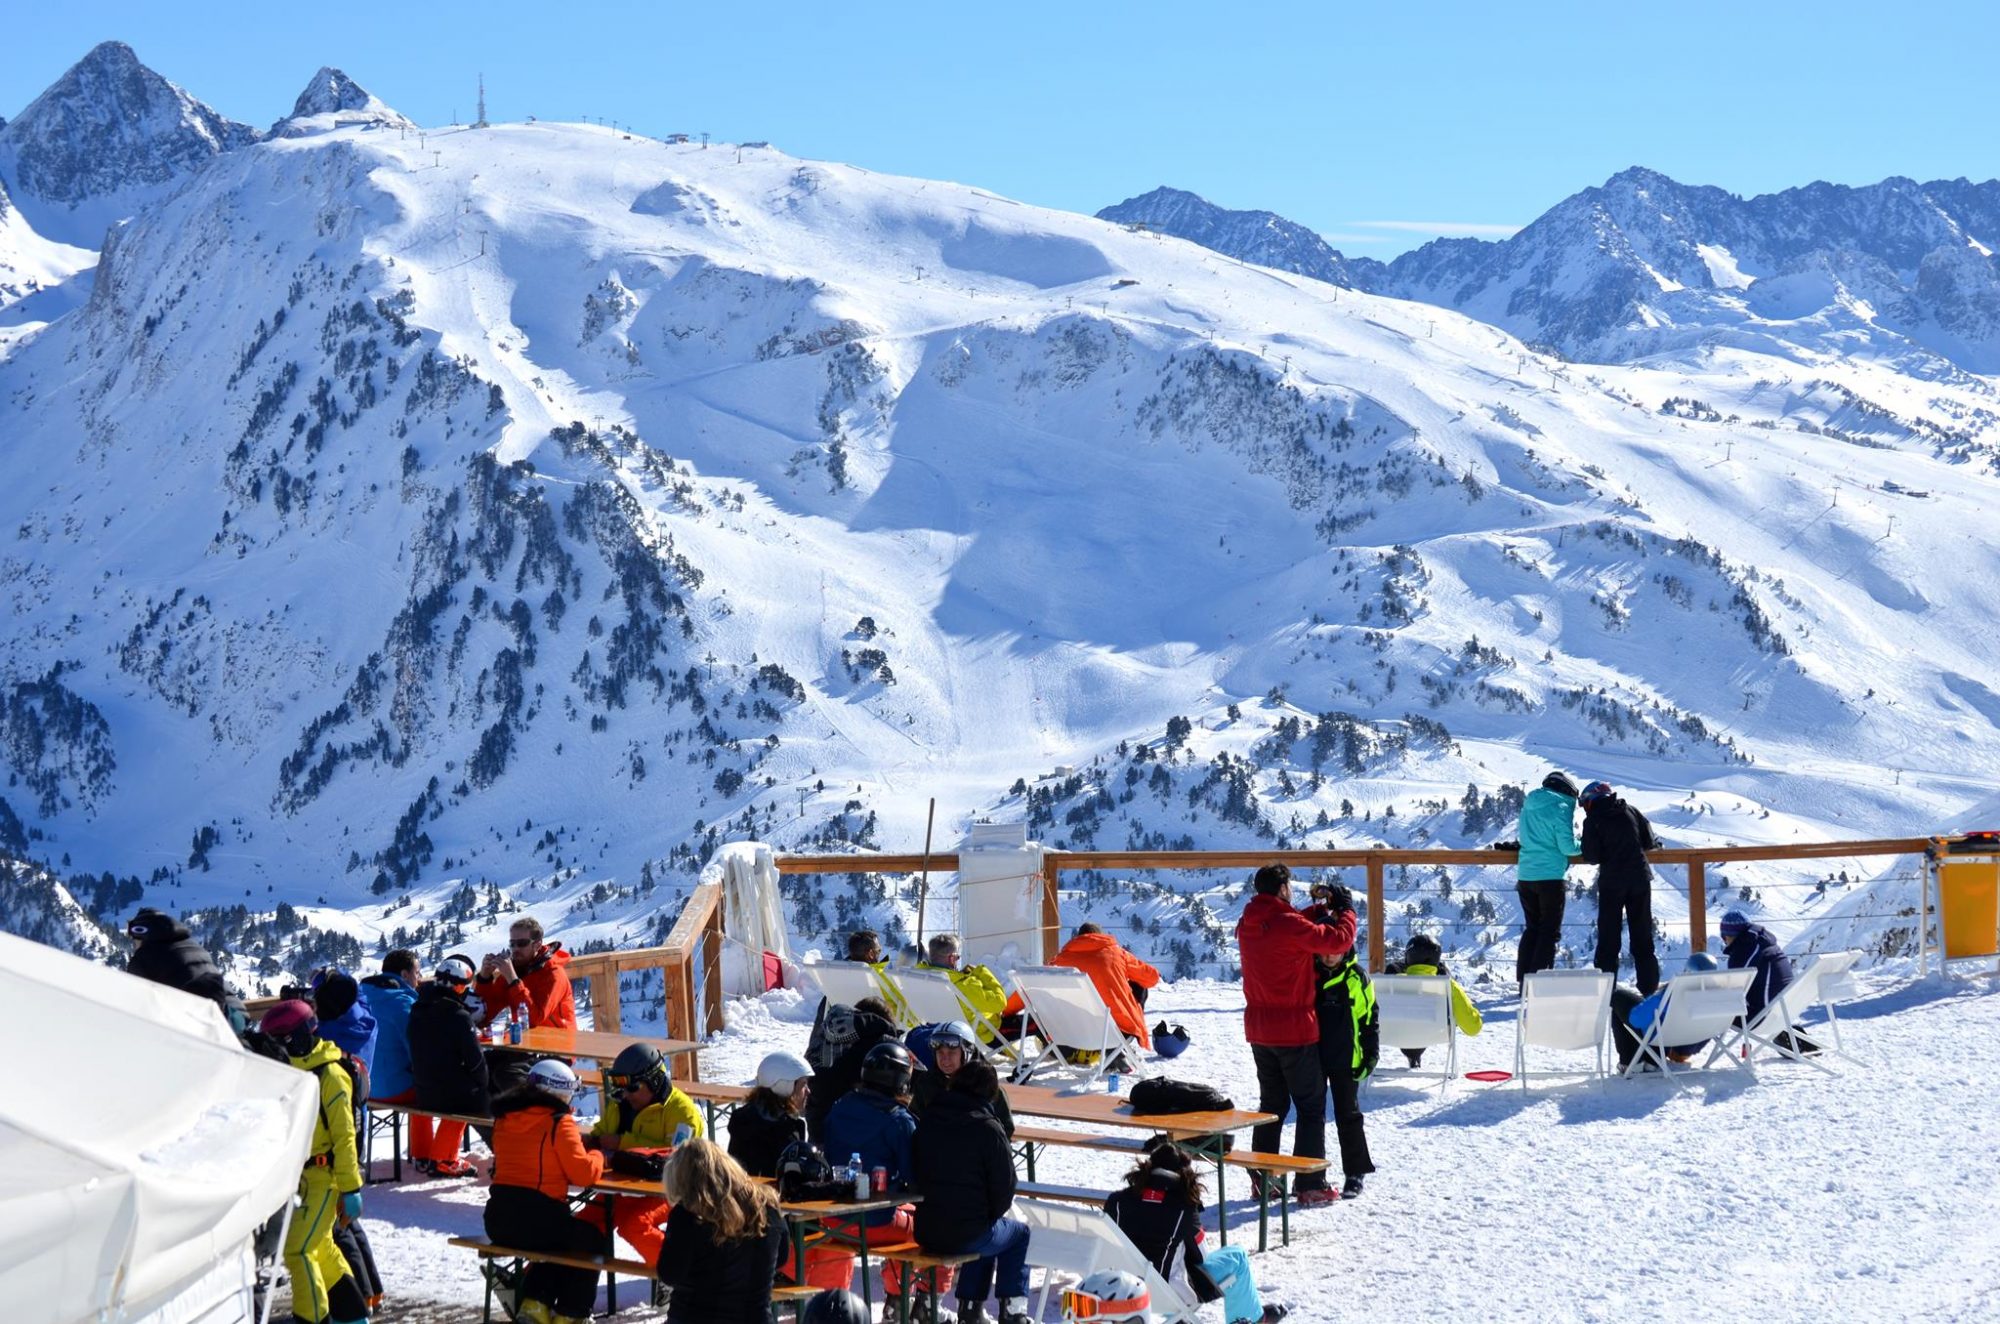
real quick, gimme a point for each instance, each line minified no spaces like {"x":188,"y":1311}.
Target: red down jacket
{"x":1276,"y":944}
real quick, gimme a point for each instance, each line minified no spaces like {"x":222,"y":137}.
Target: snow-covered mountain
{"x":30,"y":265}
{"x":1260,"y":237}
{"x":527,"y":511}
{"x":333,"y":100}
{"x":106,"y":138}
{"x":1645,"y":266}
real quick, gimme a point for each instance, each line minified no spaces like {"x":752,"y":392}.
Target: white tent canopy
{"x":140,"y":1146}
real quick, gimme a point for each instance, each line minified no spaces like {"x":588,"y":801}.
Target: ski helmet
{"x":955,"y":1034}
{"x":836,"y":1305}
{"x":782,"y":1072}
{"x":638,"y":1064}
{"x":1422,"y":949}
{"x":553,"y":1075}
{"x":293,"y":1024}
{"x":888,"y":1068}
{"x":1596,"y":791}
{"x":1701,"y":963}
{"x":801,"y":1167}
{"x":1108,"y":1294}
{"x":455,"y":970}
{"x":1171,"y":1040}
{"x":1560,"y":783}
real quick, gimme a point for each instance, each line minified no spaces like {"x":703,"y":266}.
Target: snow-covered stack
{"x":332,"y":100}
{"x":1261,"y":237}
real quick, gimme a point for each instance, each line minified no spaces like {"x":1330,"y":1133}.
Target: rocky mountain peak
{"x":1261,"y":237}
{"x":332,"y":99}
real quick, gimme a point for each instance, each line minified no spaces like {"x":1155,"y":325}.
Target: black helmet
{"x":802,"y":1165}
{"x":1560,"y":783}
{"x":888,"y":1068}
{"x":638,"y":1064}
{"x":1422,"y":949}
{"x":836,"y":1305}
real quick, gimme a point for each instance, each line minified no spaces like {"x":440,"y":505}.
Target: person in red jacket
{"x":1276,"y":945}
{"x":531,"y":978}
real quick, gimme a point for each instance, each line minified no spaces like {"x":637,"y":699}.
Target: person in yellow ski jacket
{"x":1423,"y":956}
{"x":647,"y":1113}
{"x":978,"y":987}
{"x":323,"y":1289}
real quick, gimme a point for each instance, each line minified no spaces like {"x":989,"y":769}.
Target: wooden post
{"x":924,"y":876}
{"x":1697,"y":906}
{"x":712,"y":957}
{"x":604,"y":1014}
{"x":1051,"y":910}
{"x":1376,"y":915}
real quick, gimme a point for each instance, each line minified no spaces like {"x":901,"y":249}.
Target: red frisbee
{"x":1489,"y":1076}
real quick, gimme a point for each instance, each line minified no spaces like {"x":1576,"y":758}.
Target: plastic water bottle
{"x":682,"y":1134}
{"x":860,"y":1176}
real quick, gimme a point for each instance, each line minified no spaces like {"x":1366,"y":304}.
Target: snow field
{"x":1797,"y":1196}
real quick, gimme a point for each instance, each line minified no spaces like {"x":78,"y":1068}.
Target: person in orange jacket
{"x":538,"y":1155}
{"x":531,"y":979}
{"x":1120,"y":978}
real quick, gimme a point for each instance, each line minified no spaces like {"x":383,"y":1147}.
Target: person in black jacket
{"x":1350,"y":1041}
{"x":965,"y":1172}
{"x":1159,"y":1211}
{"x":725,"y":1238}
{"x":166,"y":953}
{"x":874,"y":1024}
{"x":772,"y":1118}
{"x":1616,"y":837}
{"x":445,"y":1058}
{"x":953,"y":1045}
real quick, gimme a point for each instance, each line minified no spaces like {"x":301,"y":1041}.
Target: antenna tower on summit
{"x":480,"y":123}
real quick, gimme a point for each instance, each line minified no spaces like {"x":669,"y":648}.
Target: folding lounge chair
{"x":1565,"y":1009}
{"x":850,"y":981}
{"x":1781,"y":1023}
{"x":1697,"y":1008}
{"x":1415,"y":1012}
{"x":931,"y":997}
{"x":1070,"y":1241}
{"x":1069,"y":1014}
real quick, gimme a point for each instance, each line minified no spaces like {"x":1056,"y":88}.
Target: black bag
{"x":1158,"y":1094}
{"x":804,"y":1174}
{"x":649,"y":1164}
{"x":833,"y":1033}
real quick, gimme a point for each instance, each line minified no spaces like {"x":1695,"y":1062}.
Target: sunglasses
{"x":520,"y":942}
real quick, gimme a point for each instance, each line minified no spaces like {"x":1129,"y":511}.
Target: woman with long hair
{"x":725,"y":1238}
{"x":1159,"y":1210}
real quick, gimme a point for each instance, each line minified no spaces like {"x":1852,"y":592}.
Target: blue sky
{"x":1381,"y":126}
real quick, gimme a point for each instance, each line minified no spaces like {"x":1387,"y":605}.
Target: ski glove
{"x":1339,"y":898}
{"x":1366,"y":1069}
{"x":350,"y":1206}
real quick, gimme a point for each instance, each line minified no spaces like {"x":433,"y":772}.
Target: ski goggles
{"x":626,"y":1084}
{"x":1078,"y":1304}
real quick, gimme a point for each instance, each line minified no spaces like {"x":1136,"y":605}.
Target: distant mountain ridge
{"x":1644,"y":264}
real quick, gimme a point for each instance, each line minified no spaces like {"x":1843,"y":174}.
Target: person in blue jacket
{"x":1547,"y":835}
{"x":1753,"y":945}
{"x":874,"y":1120}
{"x":389,"y":996}
{"x":1632,"y":1014}
{"x":344,"y":1019}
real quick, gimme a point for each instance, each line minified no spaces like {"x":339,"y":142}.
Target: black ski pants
{"x":1542,"y":915}
{"x":1290,"y":1081}
{"x":526,"y":1219}
{"x":1622,"y":906}
{"x":1336,"y":1061}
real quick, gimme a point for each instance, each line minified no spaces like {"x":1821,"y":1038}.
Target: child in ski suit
{"x":1349,"y":1042}
{"x":330,"y":1185}
{"x":1423,"y":956}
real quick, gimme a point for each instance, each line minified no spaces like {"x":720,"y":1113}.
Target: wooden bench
{"x":916,"y":1260}
{"x":1269,"y":1171}
{"x":714,"y":1097}
{"x":394,"y":1114}
{"x":1028,"y":1138}
{"x":501,"y":1279}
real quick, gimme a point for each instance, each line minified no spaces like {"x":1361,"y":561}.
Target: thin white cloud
{"x":1475,"y":229}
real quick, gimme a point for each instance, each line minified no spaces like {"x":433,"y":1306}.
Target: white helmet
{"x":782,"y":1072}
{"x":1108,"y":1294}
{"x":553,"y":1075}
{"x":956,"y":1032}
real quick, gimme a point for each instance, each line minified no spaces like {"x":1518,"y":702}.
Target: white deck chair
{"x":1068,"y":1013}
{"x":931,"y":997}
{"x":1074,"y":1241}
{"x":1565,"y":1009}
{"x":1785,"y":1014}
{"x":1697,"y":1008}
{"x":1415,"y":1012}
{"x":850,"y":981}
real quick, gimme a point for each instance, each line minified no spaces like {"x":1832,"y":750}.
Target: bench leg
{"x":1285,"y":1213}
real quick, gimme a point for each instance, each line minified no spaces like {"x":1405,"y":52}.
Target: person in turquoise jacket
{"x":1547,"y":837}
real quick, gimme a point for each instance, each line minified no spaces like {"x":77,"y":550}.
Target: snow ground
{"x":1799,"y":1196}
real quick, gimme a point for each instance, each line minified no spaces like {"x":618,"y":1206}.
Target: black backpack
{"x":1158,"y":1094}
{"x":834,"y":1032}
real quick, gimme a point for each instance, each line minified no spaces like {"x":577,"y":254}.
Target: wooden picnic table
{"x":1202,"y":1134}
{"x":599,"y":1045}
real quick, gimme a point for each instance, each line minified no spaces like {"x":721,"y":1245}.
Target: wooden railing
{"x":1375,"y":864}
{"x":690,"y":965}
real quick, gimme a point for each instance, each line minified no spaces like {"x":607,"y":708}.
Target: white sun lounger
{"x":850,"y":981}
{"x":1568,"y":1010}
{"x":1820,"y":979}
{"x":1415,"y":1012}
{"x":1069,"y":1014}
{"x":931,"y":996}
{"x":1698,"y":1008}
{"x":1070,"y":1242}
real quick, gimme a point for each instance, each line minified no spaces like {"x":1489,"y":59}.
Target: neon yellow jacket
{"x":333,"y":1130}
{"x":1468,"y":1017}
{"x":978,"y":986}
{"x":655,"y":1124}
